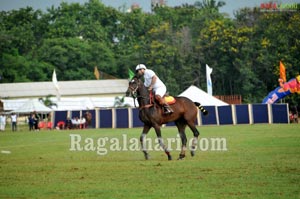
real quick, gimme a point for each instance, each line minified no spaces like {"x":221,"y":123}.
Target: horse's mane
{"x":137,"y":76}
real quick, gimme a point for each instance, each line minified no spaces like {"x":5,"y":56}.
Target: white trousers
{"x":161,"y":91}
{"x":2,"y":126}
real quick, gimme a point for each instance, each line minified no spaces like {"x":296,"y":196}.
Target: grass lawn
{"x":261,"y":161}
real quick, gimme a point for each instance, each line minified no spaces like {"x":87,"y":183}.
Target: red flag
{"x":282,"y":71}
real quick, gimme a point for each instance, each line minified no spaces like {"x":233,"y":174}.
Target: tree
{"x":211,"y":5}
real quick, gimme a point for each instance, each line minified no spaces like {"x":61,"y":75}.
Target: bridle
{"x":133,"y":90}
{"x":134,"y":95}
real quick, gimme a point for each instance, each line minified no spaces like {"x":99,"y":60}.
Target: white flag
{"x":208,"y":79}
{"x":54,"y":80}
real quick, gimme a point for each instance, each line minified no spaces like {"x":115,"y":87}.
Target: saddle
{"x":170,"y":100}
{"x":164,"y":102}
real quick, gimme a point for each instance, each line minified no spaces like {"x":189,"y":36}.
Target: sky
{"x":230,"y":7}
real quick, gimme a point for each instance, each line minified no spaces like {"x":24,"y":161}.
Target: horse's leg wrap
{"x":183,"y":147}
{"x":163,"y":146}
{"x":181,"y":156}
{"x":144,"y":147}
{"x":146,"y":155}
{"x":195,"y":139}
{"x":194,"y":146}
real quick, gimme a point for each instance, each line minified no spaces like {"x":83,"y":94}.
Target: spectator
{"x":31,"y":122}
{"x":82,"y":123}
{"x":68,"y":123}
{"x":88,"y":119}
{"x":2,"y":122}
{"x":293,"y":117}
{"x":76,"y":123}
{"x":60,"y":125}
{"x":49,"y":125}
{"x":13,"y":122}
{"x":296,"y":117}
{"x":36,"y":121}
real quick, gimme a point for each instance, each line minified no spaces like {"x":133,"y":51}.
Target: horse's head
{"x":133,"y":87}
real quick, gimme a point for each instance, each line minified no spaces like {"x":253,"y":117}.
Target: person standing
{"x":13,"y":122}
{"x":36,"y":119}
{"x":88,"y":119}
{"x":68,"y":123}
{"x":2,"y":122}
{"x":31,"y":121}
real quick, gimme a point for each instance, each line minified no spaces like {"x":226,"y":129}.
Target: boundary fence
{"x":222,"y":115}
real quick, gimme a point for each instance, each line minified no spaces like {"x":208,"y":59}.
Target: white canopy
{"x":85,"y":103}
{"x":197,"y":95}
{"x":67,"y":103}
{"x":31,"y":106}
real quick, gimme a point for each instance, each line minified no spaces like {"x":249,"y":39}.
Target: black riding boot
{"x":167,"y":109}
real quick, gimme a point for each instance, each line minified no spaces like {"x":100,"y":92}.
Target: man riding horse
{"x":184,"y":113}
{"x":152,"y":82}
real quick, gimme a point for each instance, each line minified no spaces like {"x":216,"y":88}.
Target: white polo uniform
{"x":159,"y":87}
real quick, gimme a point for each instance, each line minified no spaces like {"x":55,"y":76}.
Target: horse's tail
{"x":202,"y":109}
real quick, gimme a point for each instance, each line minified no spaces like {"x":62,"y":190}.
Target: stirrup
{"x":167,"y":110}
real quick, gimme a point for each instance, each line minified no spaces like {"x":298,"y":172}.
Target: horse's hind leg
{"x":142,"y":140}
{"x":196,"y":133}
{"x":181,"y":124}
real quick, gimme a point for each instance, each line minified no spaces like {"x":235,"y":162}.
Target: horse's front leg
{"x":142,"y":140}
{"x":181,"y":124}
{"x":161,"y":142}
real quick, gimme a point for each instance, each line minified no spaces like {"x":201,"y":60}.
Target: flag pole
{"x":55,"y":83}
{"x":208,"y":79}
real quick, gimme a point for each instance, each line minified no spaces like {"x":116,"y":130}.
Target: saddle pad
{"x":170,"y":99}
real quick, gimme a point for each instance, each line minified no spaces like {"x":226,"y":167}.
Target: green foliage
{"x":47,"y":101}
{"x":120,"y":102}
{"x":177,"y":43}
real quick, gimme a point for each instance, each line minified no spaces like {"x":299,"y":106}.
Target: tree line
{"x":176,"y":42}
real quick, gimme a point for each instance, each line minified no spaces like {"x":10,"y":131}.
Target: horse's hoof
{"x":169,"y":157}
{"x":146,"y":155}
{"x":181,"y":157}
{"x":192,"y":153}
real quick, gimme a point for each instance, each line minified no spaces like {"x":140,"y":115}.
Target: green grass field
{"x":261,"y":161}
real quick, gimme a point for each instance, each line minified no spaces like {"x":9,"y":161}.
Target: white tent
{"x":67,"y":103}
{"x":12,"y":104}
{"x":197,"y":95}
{"x":85,"y":103}
{"x":32,"y":105}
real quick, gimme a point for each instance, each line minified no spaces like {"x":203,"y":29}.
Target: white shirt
{"x":14,"y":118}
{"x":148,"y":78}
{"x":82,"y":121}
{"x":2,"y":119}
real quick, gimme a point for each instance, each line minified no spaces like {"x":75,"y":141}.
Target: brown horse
{"x":152,"y":115}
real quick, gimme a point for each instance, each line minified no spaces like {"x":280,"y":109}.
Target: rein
{"x":150,"y":97}
{"x":147,"y":105}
